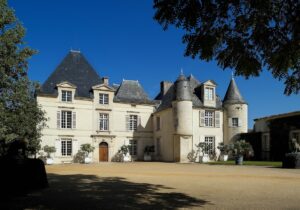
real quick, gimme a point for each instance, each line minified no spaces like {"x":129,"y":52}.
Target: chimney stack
{"x":105,"y":80}
{"x":165,"y":86}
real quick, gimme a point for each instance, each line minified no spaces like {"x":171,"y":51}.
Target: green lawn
{"x":248,"y":163}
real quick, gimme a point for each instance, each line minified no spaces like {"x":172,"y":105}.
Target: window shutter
{"x":229,"y":122}
{"x":240,"y":122}
{"x":217,"y":119}
{"x":74,"y":147}
{"x":58,"y":148}
{"x":58,"y":119}
{"x":74,"y":120}
{"x":127,"y":122}
{"x":139,"y":123}
{"x":202,"y":116}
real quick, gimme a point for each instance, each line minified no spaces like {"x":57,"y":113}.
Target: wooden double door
{"x":103,"y":152}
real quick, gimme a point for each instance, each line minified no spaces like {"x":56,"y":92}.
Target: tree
{"x":245,"y":35}
{"x":20,"y":115}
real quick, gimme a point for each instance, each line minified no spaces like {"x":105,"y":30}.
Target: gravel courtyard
{"x":142,"y":185}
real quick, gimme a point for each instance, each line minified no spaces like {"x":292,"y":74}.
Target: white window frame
{"x":133,"y":147}
{"x":103,"y":98}
{"x":103,"y":121}
{"x":209,"y":118}
{"x":133,"y":122}
{"x":66,"y":119}
{"x":210,"y":142}
{"x":235,"y":122}
{"x":66,"y":147}
{"x":66,"y":95}
{"x":209,"y":93}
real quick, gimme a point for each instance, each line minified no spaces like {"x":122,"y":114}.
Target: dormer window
{"x":209,"y":93}
{"x":66,"y":96}
{"x":103,"y":98}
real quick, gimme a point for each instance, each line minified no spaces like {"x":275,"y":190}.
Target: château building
{"x":83,"y":107}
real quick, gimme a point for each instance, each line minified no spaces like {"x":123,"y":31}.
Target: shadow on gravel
{"x":91,"y":192}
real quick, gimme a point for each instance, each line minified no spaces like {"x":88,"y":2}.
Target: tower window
{"x":235,"y":122}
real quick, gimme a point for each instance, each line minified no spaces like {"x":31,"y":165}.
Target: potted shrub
{"x":49,"y":150}
{"x":125,"y":152}
{"x":224,"y":150}
{"x":87,"y":149}
{"x":240,"y":149}
{"x":292,"y":159}
{"x":148,"y":152}
{"x":203,"y":157}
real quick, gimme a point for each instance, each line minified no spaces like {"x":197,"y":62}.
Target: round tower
{"x":235,"y":113}
{"x":183,"y":107}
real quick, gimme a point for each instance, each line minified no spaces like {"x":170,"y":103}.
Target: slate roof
{"x":195,"y":88}
{"x":233,"y":95}
{"x":75,"y":69}
{"x":131,"y":91}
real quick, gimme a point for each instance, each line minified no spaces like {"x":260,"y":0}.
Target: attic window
{"x":66,"y":96}
{"x":103,"y":98}
{"x":209,"y":93}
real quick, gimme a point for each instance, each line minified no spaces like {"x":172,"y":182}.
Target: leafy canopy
{"x":245,"y":35}
{"x":20,"y":115}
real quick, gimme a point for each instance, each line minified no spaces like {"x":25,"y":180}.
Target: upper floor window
{"x":66,"y":119}
{"x":104,"y":122}
{"x":209,"y":119}
{"x":235,"y":122}
{"x":133,"y":147}
{"x":103,"y":98}
{"x":66,"y":95}
{"x":133,"y":122}
{"x":209,"y":93}
{"x":157,"y":123}
{"x":210,"y":145}
{"x":66,"y":147}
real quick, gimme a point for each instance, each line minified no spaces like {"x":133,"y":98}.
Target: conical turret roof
{"x":76,"y":70}
{"x":233,"y":95}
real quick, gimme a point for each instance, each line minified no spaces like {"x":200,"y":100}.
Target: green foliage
{"x":20,"y":115}
{"x":202,"y":147}
{"x":224,"y":148}
{"x":49,"y":150}
{"x":87,"y":148}
{"x":242,"y":35}
{"x":241,"y":148}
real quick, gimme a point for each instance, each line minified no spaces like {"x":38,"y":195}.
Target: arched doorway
{"x":103,"y":151}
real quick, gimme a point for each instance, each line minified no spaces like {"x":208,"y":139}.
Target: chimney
{"x":165,"y":86}
{"x":105,"y":80}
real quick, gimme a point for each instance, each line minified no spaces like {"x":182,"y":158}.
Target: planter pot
{"x":147,"y":158}
{"x":223,"y":157}
{"x":126,"y":158}
{"x":291,"y":160}
{"x":87,"y":160}
{"x":204,"y":158}
{"x":239,"y":160}
{"x":49,"y":161}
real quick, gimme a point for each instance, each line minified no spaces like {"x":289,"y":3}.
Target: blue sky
{"x":122,"y":41}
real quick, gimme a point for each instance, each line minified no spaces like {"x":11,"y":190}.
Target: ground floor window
{"x":158,"y":146}
{"x":133,"y":147}
{"x":210,"y":145}
{"x":66,"y":147}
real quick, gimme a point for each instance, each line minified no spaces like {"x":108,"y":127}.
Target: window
{"x":133,"y":121}
{"x":209,"y":119}
{"x":66,"y":96}
{"x":66,"y":147}
{"x":209,"y":93}
{"x":266,"y":142}
{"x":158,"y":146}
{"x":104,"y":122}
{"x":133,"y":147}
{"x":235,"y":122}
{"x":157,"y":123}
{"x":66,"y":119}
{"x":210,"y":145}
{"x":103,"y":98}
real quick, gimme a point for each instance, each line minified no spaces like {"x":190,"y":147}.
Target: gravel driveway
{"x":143,"y":185}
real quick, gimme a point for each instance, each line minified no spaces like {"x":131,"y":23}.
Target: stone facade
{"x":87,"y":109}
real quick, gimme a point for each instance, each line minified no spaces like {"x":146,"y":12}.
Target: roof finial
{"x":232,"y":75}
{"x":181,"y":71}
